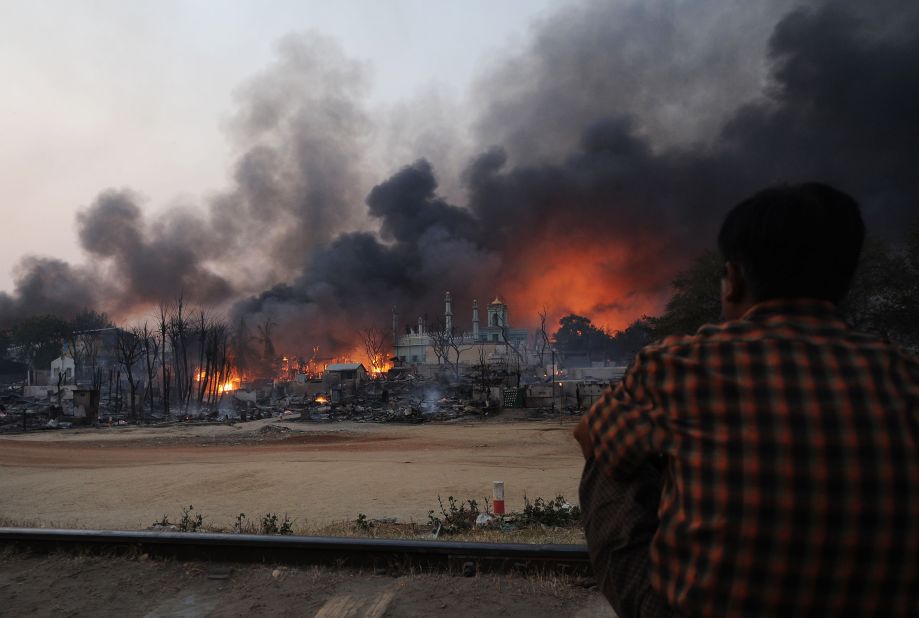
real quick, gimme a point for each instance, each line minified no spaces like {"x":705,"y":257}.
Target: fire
{"x":380,"y":366}
{"x":230,"y":383}
{"x":611,"y":285}
{"x":375,"y":368}
{"x":321,"y":399}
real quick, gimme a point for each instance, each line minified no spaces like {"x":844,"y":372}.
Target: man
{"x":767,"y":465}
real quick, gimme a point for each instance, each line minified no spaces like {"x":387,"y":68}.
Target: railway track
{"x":391,"y":555}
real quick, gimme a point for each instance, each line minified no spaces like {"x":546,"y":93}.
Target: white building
{"x":62,"y":365}
{"x":496,"y":338}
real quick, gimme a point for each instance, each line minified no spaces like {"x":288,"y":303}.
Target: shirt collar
{"x":783,"y":309}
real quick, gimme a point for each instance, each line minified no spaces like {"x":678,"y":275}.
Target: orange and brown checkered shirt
{"x":793,"y":478}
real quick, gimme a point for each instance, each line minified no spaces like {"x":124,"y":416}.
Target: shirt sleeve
{"x":627,"y":425}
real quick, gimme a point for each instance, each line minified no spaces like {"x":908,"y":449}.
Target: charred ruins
{"x":191,"y":367}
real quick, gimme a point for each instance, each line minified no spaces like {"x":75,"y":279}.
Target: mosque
{"x":496,"y":337}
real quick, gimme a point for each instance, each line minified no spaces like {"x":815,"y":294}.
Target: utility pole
{"x":561,"y":402}
{"x":553,"y":387}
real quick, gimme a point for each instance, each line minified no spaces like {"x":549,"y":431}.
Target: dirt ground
{"x":129,"y":477}
{"x":67,"y":585}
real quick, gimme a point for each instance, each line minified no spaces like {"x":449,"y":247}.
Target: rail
{"x":389,"y":554}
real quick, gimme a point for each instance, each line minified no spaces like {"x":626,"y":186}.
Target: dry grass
{"x":376,"y":530}
{"x":419,"y":531}
{"x":8,"y":522}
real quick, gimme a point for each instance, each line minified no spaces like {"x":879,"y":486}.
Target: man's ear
{"x":734,"y":286}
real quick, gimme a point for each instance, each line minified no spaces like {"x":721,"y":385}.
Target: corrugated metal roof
{"x":344,"y":367}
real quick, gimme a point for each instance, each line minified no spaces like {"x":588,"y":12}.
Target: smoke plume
{"x":607,"y":150}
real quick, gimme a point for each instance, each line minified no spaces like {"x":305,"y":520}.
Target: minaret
{"x":395,"y":327}
{"x":475,"y":320}
{"x":448,"y":314}
{"x":420,"y":325}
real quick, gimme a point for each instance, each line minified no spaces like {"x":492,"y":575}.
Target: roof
{"x":496,"y":301}
{"x":345,"y":367}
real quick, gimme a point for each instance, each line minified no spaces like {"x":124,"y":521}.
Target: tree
{"x":6,"y":340}
{"x":242,"y":345}
{"x":696,"y":298}
{"x":151,"y":355}
{"x":90,"y":320}
{"x":215,"y":370}
{"x":38,"y":339}
{"x":882,"y":297}
{"x":268,"y":353}
{"x":128,"y":351}
{"x":446,"y":345}
{"x":439,"y":344}
{"x":483,"y":372}
{"x":89,"y":345}
{"x":166,"y":373}
{"x":374,"y":341}
{"x":83,"y":327}
{"x":509,"y":345}
{"x":181,"y":334}
{"x":542,"y":337}
{"x":455,"y":344}
{"x":627,"y":343}
{"x":574,"y":334}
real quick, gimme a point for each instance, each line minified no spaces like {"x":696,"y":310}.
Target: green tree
{"x":696,"y":298}
{"x":38,"y":339}
{"x":882,"y":297}
{"x":90,"y":320}
{"x":6,"y":340}
{"x":573,"y":333}
{"x":627,"y":343}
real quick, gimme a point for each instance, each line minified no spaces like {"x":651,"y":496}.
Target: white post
{"x":498,"y":504}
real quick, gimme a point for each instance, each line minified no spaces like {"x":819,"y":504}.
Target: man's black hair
{"x":795,"y":241}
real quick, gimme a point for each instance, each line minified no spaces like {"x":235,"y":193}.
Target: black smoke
{"x":150,"y":261}
{"x":612,"y":143}
{"x":425,"y":246}
{"x":300,"y":130}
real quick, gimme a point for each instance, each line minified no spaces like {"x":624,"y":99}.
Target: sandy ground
{"x":128,"y":477}
{"x":66,"y":585}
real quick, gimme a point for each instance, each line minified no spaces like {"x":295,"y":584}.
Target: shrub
{"x":273,"y":524}
{"x":243,"y":525}
{"x":457,"y":517}
{"x":555,"y":512}
{"x":362,"y":523}
{"x":189,"y":522}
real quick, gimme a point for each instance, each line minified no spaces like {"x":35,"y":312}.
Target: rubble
{"x":399,"y":397}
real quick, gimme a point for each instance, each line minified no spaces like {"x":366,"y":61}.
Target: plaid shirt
{"x":792,"y":483}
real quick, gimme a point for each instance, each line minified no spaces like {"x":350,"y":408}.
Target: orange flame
{"x":589,"y":277}
{"x":231,"y":383}
{"x":375,"y":368}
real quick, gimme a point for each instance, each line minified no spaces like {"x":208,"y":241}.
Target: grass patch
{"x":540,"y":521}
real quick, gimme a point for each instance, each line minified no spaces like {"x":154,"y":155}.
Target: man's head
{"x":789,"y":241}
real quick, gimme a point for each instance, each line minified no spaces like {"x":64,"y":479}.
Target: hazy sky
{"x":309,"y":165}
{"x":137,"y":94}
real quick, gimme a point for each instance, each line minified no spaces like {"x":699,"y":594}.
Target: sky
{"x":138,"y":94}
{"x":315,"y":165}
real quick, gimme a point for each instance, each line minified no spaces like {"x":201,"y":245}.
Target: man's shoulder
{"x":707,"y":334}
{"x":742,"y":333}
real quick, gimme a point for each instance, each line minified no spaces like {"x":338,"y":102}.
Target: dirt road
{"x":125,"y":478}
